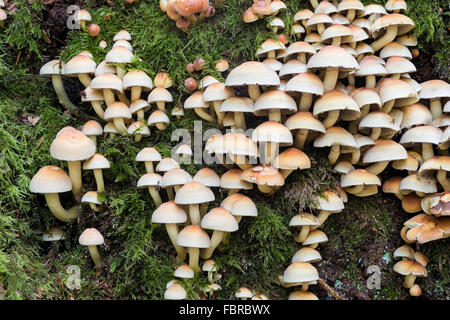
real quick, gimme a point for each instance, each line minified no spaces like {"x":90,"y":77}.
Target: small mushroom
{"x":92,"y":238}
{"x":148,"y":156}
{"x":151,"y":181}
{"x":91,"y":197}
{"x":193,"y":238}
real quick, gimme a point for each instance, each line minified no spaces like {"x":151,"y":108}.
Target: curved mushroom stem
{"x":336,"y":41}
{"x":302,"y":235}
{"x":98,"y":109}
{"x":203,"y":114}
{"x":355,"y":189}
{"x":54,"y":204}
{"x":94,"y":207}
{"x":170,"y":194}
{"x":427,"y":151}
{"x":172,"y":231}
{"x":436,"y":107}
{"x":350,"y":15}
{"x":94,"y":139}
{"x":123,"y":98}
{"x":155,"y":195}
{"x":356,"y":155}
{"x":239,"y":119}
{"x":387,"y":38}
{"x":193,"y":258}
{"x":83,"y":25}
{"x":108,"y":95}
{"x":323,"y":216}
{"x":194,"y":213}
{"x":98,"y":174}
{"x":334,"y":153}
{"x":314,"y":3}
{"x":266,"y":189}
{"x":161,"y":126}
{"x":300,"y":138}
{"x":285,"y":173}
{"x":84,"y":79}
{"x":254,"y":92}
{"x":140,"y":115}
{"x":216,"y":238}
{"x":320,"y":28}
{"x":376,"y":132}
{"x":220,"y":115}
{"x":137,"y":137}
{"x":305,"y":101}
{"x":149,"y":166}
{"x":119,"y":123}
{"x":63,"y":98}
{"x":161,"y":105}
{"x":331,"y":119}
{"x":403,"y":232}
{"x":136,"y":93}
{"x":95,"y":255}
{"x":409,"y":281}
{"x":271,"y":152}
{"x":75,"y":176}
{"x":331,"y":76}
{"x":387,"y":107}
{"x":442,"y":179}
{"x":378,"y":167}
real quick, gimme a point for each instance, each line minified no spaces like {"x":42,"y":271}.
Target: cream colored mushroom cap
{"x":193,"y":236}
{"x":97,"y":161}
{"x":292,"y":159}
{"x":404,"y":252}
{"x":237,"y":104}
{"x":272,"y":131}
{"x":219,"y":219}
{"x":184,"y":272}
{"x":117,"y":110}
{"x":370,"y":66}
{"x":175,"y":292}
{"x":299,"y":47}
{"x":252,"y":73}
{"x":359,"y":177}
{"x":315,"y":236}
{"x":119,"y":54}
{"x":428,"y":169}
{"x":240,"y":205}
{"x":206,"y":81}
{"x":415,"y":114}
{"x":91,"y":237}
{"x":399,"y":65}
{"x":292,"y":67}
{"x":263,"y":175}
{"x":303,"y":14}
{"x":207,"y":177}
{"x":421,"y":134}
{"x":274,"y":99}
{"x":335,"y":100}
{"x":194,"y":192}
{"x":217,"y":91}
{"x":72,"y":145}
{"x":306,"y":82}
{"x":138,"y":104}
{"x":79,"y":64}
{"x":300,"y":272}
{"x":304,"y":120}
{"x":337,"y":30}
{"x":378,"y":119}
{"x":52,"y":67}
{"x":408,"y":267}
{"x":232,"y":180}
{"x":243,"y":292}
{"x":104,"y":67}
{"x":149,"y":180}
{"x":333,"y":56}
{"x":304,"y":219}
{"x":137,"y":78}
{"x":330,"y":201}
{"x":148,"y":154}
{"x":413,"y":183}
{"x":174,"y":177}
{"x":195,"y":100}
{"x":302,"y":295}
{"x":169,"y":212}
{"x":90,"y":197}
{"x":122,"y":35}
{"x":325,"y":7}
{"x":50,"y":179}
{"x":158,"y":116}
{"x":434,"y":89}
{"x":166,"y":164}
{"x":92,"y":128}
{"x":403,"y":93}
{"x":269,"y":45}
{"x":404,"y":23}
{"x":385,"y":150}
{"x":107,"y":81}
{"x":335,"y":136}
{"x":306,"y":254}
{"x":395,"y":49}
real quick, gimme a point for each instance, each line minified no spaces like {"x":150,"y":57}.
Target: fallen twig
{"x":330,"y":290}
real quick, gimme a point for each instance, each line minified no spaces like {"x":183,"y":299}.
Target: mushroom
{"x":270,"y":48}
{"x":252,"y":74}
{"x":396,"y":5}
{"x":243,"y":293}
{"x":381,"y":153}
{"x":334,"y":60}
{"x":335,"y":103}
{"x":438,"y":166}
{"x":374,"y":11}
{"x":318,"y":22}
{"x":239,"y":206}
{"x":109,"y":83}
{"x":92,"y":129}
{"x":411,"y":270}
{"x":92,"y":238}
{"x":425,"y":228}
{"x":148,"y":156}
{"x":414,"y":115}
{"x":399,"y":66}
{"x":184,"y":151}
{"x":52,"y":180}
{"x":328,"y":203}
{"x":80,"y":66}
{"x":303,"y":122}
{"x":302,"y":16}
{"x":137,"y":81}
{"x":237,"y":106}
{"x":53,"y":235}
{"x":174,"y":178}
{"x":81,"y":17}
{"x":405,"y":252}
{"x":166,"y":164}
{"x":302,"y":295}
{"x":111,"y":129}
{"x":435,"y":90}
{"x":54,"y":69}
{"x":175,"y":292}
{"x":335,"y":137}
{"x":290,"y":69}
{"x":304,"y":221}
{"x":119,"y":56}
{"x":118,"y":112}
{"x":193,"y":238}
{"x":152,"y":181}
{"x":370,"y":68}
{"x":393,"y":25}
{"x":424,"y":135}
{"x":337,"y":34}
{"x":265,"y":177}
{"x":315,"y":238}
{"x":211,"y":267}
{"x":300,"y":273}
{"x":73,"y":146}
{"x":163,"y":79}
{"x":97,"y":162}
{"x":379,"y":124}
{"x":273,"y":134}
{"x":220,"y":220}
{"x":240,"y":149}
{"x":306,"y":254}
{"x":159,"y":119}
{"x":184,"y":272}
{"x":362,"y":144}
{"x":217,"y":93}
{"x":194,"y":193}
{"x":196,"y":102}
{"x":91,"y":197}
{"x":160,"y":96}
{"x":355,"y":181}
{"x":291,"y":159}
{"x":273,"y":103}
{"x":177,"y":112}
{"x":392,"y":185}
{"x":138,"y":129}
{"x":171,"y":214}
{"x":351,"y":8}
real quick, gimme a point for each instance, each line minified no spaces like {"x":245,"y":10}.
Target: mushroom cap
{"x":274,"y":99}
{"x":362,"y":23}
{"x":263,"y":175}
{"x":175,"y":177}
{"x":158,"y":116}
{"x":252,"y":73}
{"x":306,"y":254}
{"x":409,"y":267}
{"x":219,"y":219}
{"x":236,"y":143}
{"x":392,"y":5}
{"x":385,"y":150}
{"x":340,"y":19}
{"x":411,"y":203}
{"x":325,"y":7}
{"x":232,"y":180}
{"x":243,"y":292}
{"x":351,"y":4}
{"x":358,"y":33}
{"x":374,"y":8}
{"x":90,"y":197}
{"x":149,"y":180}
{"x":439,"y":204}
{"x":107,"y":81}
{"x":297,"y":29}
{"x":123,"y":43}
{"x":184,"y":149}
{"x":239,"y":205}
{"x":207,"y":81}
{"x":434,"y":89}
{"x":302,"y":295}
{"x":148,"y":154}
{"x":54,"y":234}
{"x":330,"y":201}
{"x":209,"y":266}
{"x":300,"y":272}
{"x":193,"y":236}
{"x":415,"y":114}
{"x":194,"y":192}
{"x":392,"y":185}
{"x":273,"y":64}
{"x":363,"y":48}
{"x":138,"y":105}
{"x":269,"y":45}
{"x":92,"y":128}
{"x":79,"y":64}
{"x":333,"y":56}
{"x":292,"y":68}
{"x":137,"y":78}
{"x":104,"y":67}
{"x":404,"y":24}
{"x":303,"y":14}
{"x":50,"y":179}
{"x":175,"y":292}
{"x":421,"y":258}
{"x":429,"y":168}
{"x":207,"y":177}
{"x":410,"y":164}
{"x":72,"y":145}
{"x":97,"y":161}
{"x":399,"y":65}
{"x":337,"y":30}
{"x":91,"y":237}
{"x":404,"y":251}
{"x":395,"y":49}
{"x":299,"y":47}
{"x":421,"y":134}
{"x":117,"y":110}
{"x":378,"y":119}
{"x":90,"y":94}
{"x":162,"y":79}
{"x":52,"y":67}
{"x":335,"y":136}
{"x":359,"y":177}
{"x":370,"y":66}
{"x":343,"y":167}
{"x":366,"y":96}
{"x":292,"y":159}
{"x":272,"y":131}
{"x":425,"y":228}
{"x":315,"y":236}
{"x":184,"y":272}
{"x":177,"y":111}
{"x":413,"y":183}
{"x":304,"y":120}
{"x":237,"y":104}
{"x":119,"y":54}
{"x":216,"y":92}
{"x":169,"y":212}
{"x":166,"y":164}
{"x":195,"y":100}
{"x":122,"y":35}
{"x":306,"y":82}
{"x":304,"y":219}
{"x":318,"y":18}
{"x":335,"y":100}
{"x":110,"y":128}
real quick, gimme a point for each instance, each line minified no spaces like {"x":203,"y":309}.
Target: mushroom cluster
{"x":187,"y":12}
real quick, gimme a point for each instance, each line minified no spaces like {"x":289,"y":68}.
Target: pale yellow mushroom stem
{"x":436,"y":107}
{"x":75,"y":176}
{"x":155,"y":195}
{"x":108,"y":95}
{"x":239,"y":119}
{"x":331,"y":119}
{"x":334,"y":153}
{"x":387,"y":38}
{"x":194,"y":213}
{"x":305,"y":101}
{"x":254,"y":92}
{"x":300,"y":138}
{"x":331,"y":76}
{"x":54,"y":204}
{"x":98,"y":109}
{"x":427,"y":151}
{"x":98,"y":174}
{"x":84,"y":79}
{"x":95,"y":255}
{"x":172,"y":231}
{"x":136,"y":93}
{"x":409,"y":281}
{"x":442,"y":179}
{"x":203,"y":114}
{"x":193,"y":258}
{"x":378,"y":167}
{"x":302,"y":235}
{"x":216,"y":238}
